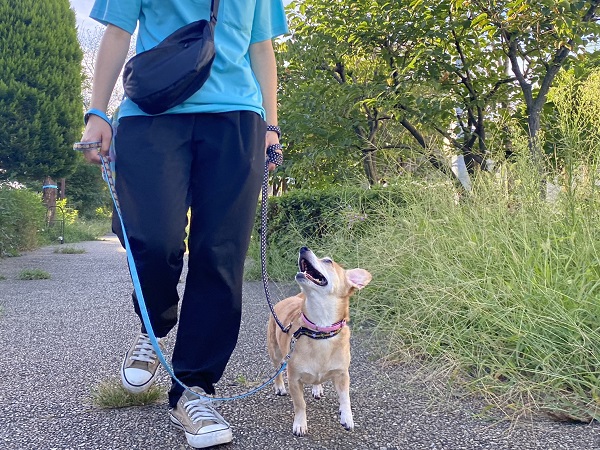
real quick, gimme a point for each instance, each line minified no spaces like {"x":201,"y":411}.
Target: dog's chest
{"x":315,"y":362}
{"x":310,"y":377}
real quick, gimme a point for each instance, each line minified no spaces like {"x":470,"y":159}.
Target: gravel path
{"x":61,"y":337}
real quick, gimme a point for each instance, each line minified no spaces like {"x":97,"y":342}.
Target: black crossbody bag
{"x":170,"y":73}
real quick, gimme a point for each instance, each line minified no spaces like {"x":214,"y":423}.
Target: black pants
{"x":212,"y":163}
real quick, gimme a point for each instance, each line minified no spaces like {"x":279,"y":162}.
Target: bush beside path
{"x":62,"y":337}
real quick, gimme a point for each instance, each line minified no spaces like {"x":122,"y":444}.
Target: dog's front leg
{"x":342,"y":387}
{"x":279,"y":385}
{"x":297,"y":393}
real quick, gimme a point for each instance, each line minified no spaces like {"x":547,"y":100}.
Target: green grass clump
{"x":33,"y":274}
{"x":2,"y":277}
{"x":69,"y":250}
{"x":112,"y":395}
{"x":77,"y":231}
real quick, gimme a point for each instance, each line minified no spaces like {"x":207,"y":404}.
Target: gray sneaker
{"x":203,"y":425}
{"x":140,"y":365}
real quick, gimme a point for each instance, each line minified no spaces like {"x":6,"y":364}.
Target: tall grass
{"x":501,"y":287}
{"x":505,"y":293}
{"x":76,"y":231}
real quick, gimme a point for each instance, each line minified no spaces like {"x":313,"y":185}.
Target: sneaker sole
{"x":204,"y":440}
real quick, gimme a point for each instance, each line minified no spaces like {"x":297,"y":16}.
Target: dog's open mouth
{"x":311,"y":273}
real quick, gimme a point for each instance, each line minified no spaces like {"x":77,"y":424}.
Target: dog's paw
{"x":280,"y":390}
{"x":317,"y":391}
{"x":300,"y":428}
{"x":347,"y":420}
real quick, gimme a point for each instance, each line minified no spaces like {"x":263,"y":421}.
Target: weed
{"x":33,"y":274}
{"x":69,"y":250}
{"x":111,"y":394}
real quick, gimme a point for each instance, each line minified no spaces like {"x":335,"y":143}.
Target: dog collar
{"x":313,"y":326}
{"x":314,"y":331}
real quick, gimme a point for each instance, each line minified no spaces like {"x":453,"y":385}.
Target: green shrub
{"x":301,"y":217}
{"x":21,"y":216}
{"x":78,"y":231}
{"x":315,"y":214}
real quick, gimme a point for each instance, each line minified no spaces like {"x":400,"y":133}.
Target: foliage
{"x":21,"y":216}
{"x":78,"y":231}
{"x":67,"y":213}
{"x":33,"y":274}
{"x":501,"y":290}
{"x":315,"y":214}
{"x":575,"y":111}
{"x":302,"y":216}
{"x":498,"y":287}
{"x":86,"y":190}
{"x":23,"y":223}
{"x":364,"y":78}
{"x":40,"y":85}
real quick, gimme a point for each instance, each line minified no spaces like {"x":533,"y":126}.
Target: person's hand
{"x":97,"y":130}
{"x":272,"y":139}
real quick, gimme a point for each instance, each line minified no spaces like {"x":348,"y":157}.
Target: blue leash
{"x":107,"y":175}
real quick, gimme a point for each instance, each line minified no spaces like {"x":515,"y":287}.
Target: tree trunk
{"x":63,"y":188}
{"x":49,"y":199}
{"x":535,"y":149}
{"x":370,"y":167}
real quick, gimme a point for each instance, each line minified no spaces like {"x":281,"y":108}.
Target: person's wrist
{"x":274,"y":129}
{"x":98,"y":113}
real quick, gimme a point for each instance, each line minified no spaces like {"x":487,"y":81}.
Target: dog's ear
{"x":358,"y":278}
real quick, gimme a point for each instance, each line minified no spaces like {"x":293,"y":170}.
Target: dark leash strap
{"x":277,"y":159}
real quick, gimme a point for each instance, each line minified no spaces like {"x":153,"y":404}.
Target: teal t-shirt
{"x":231,"y":85}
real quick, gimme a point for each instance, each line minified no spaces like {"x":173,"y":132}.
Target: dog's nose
{"x":304,"y":250}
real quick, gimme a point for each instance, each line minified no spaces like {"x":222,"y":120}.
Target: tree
{"x":445,"y":72}
{"x":40,"y":89}
{"x":538,"y":38}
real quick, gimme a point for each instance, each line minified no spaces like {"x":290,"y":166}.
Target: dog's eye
{"x":327,"y":260}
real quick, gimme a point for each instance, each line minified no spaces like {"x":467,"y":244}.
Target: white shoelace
{"x":199,"y":410}
{"x":143,"y":350}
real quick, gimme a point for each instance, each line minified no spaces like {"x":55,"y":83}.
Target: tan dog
{"x":318,"y":316}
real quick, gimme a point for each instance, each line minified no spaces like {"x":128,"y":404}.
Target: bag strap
{"x":214,"y":9}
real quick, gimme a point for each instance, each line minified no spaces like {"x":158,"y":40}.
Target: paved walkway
{"x":61,"y":337}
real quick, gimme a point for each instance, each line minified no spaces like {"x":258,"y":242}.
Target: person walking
{"x":206,"y":155}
